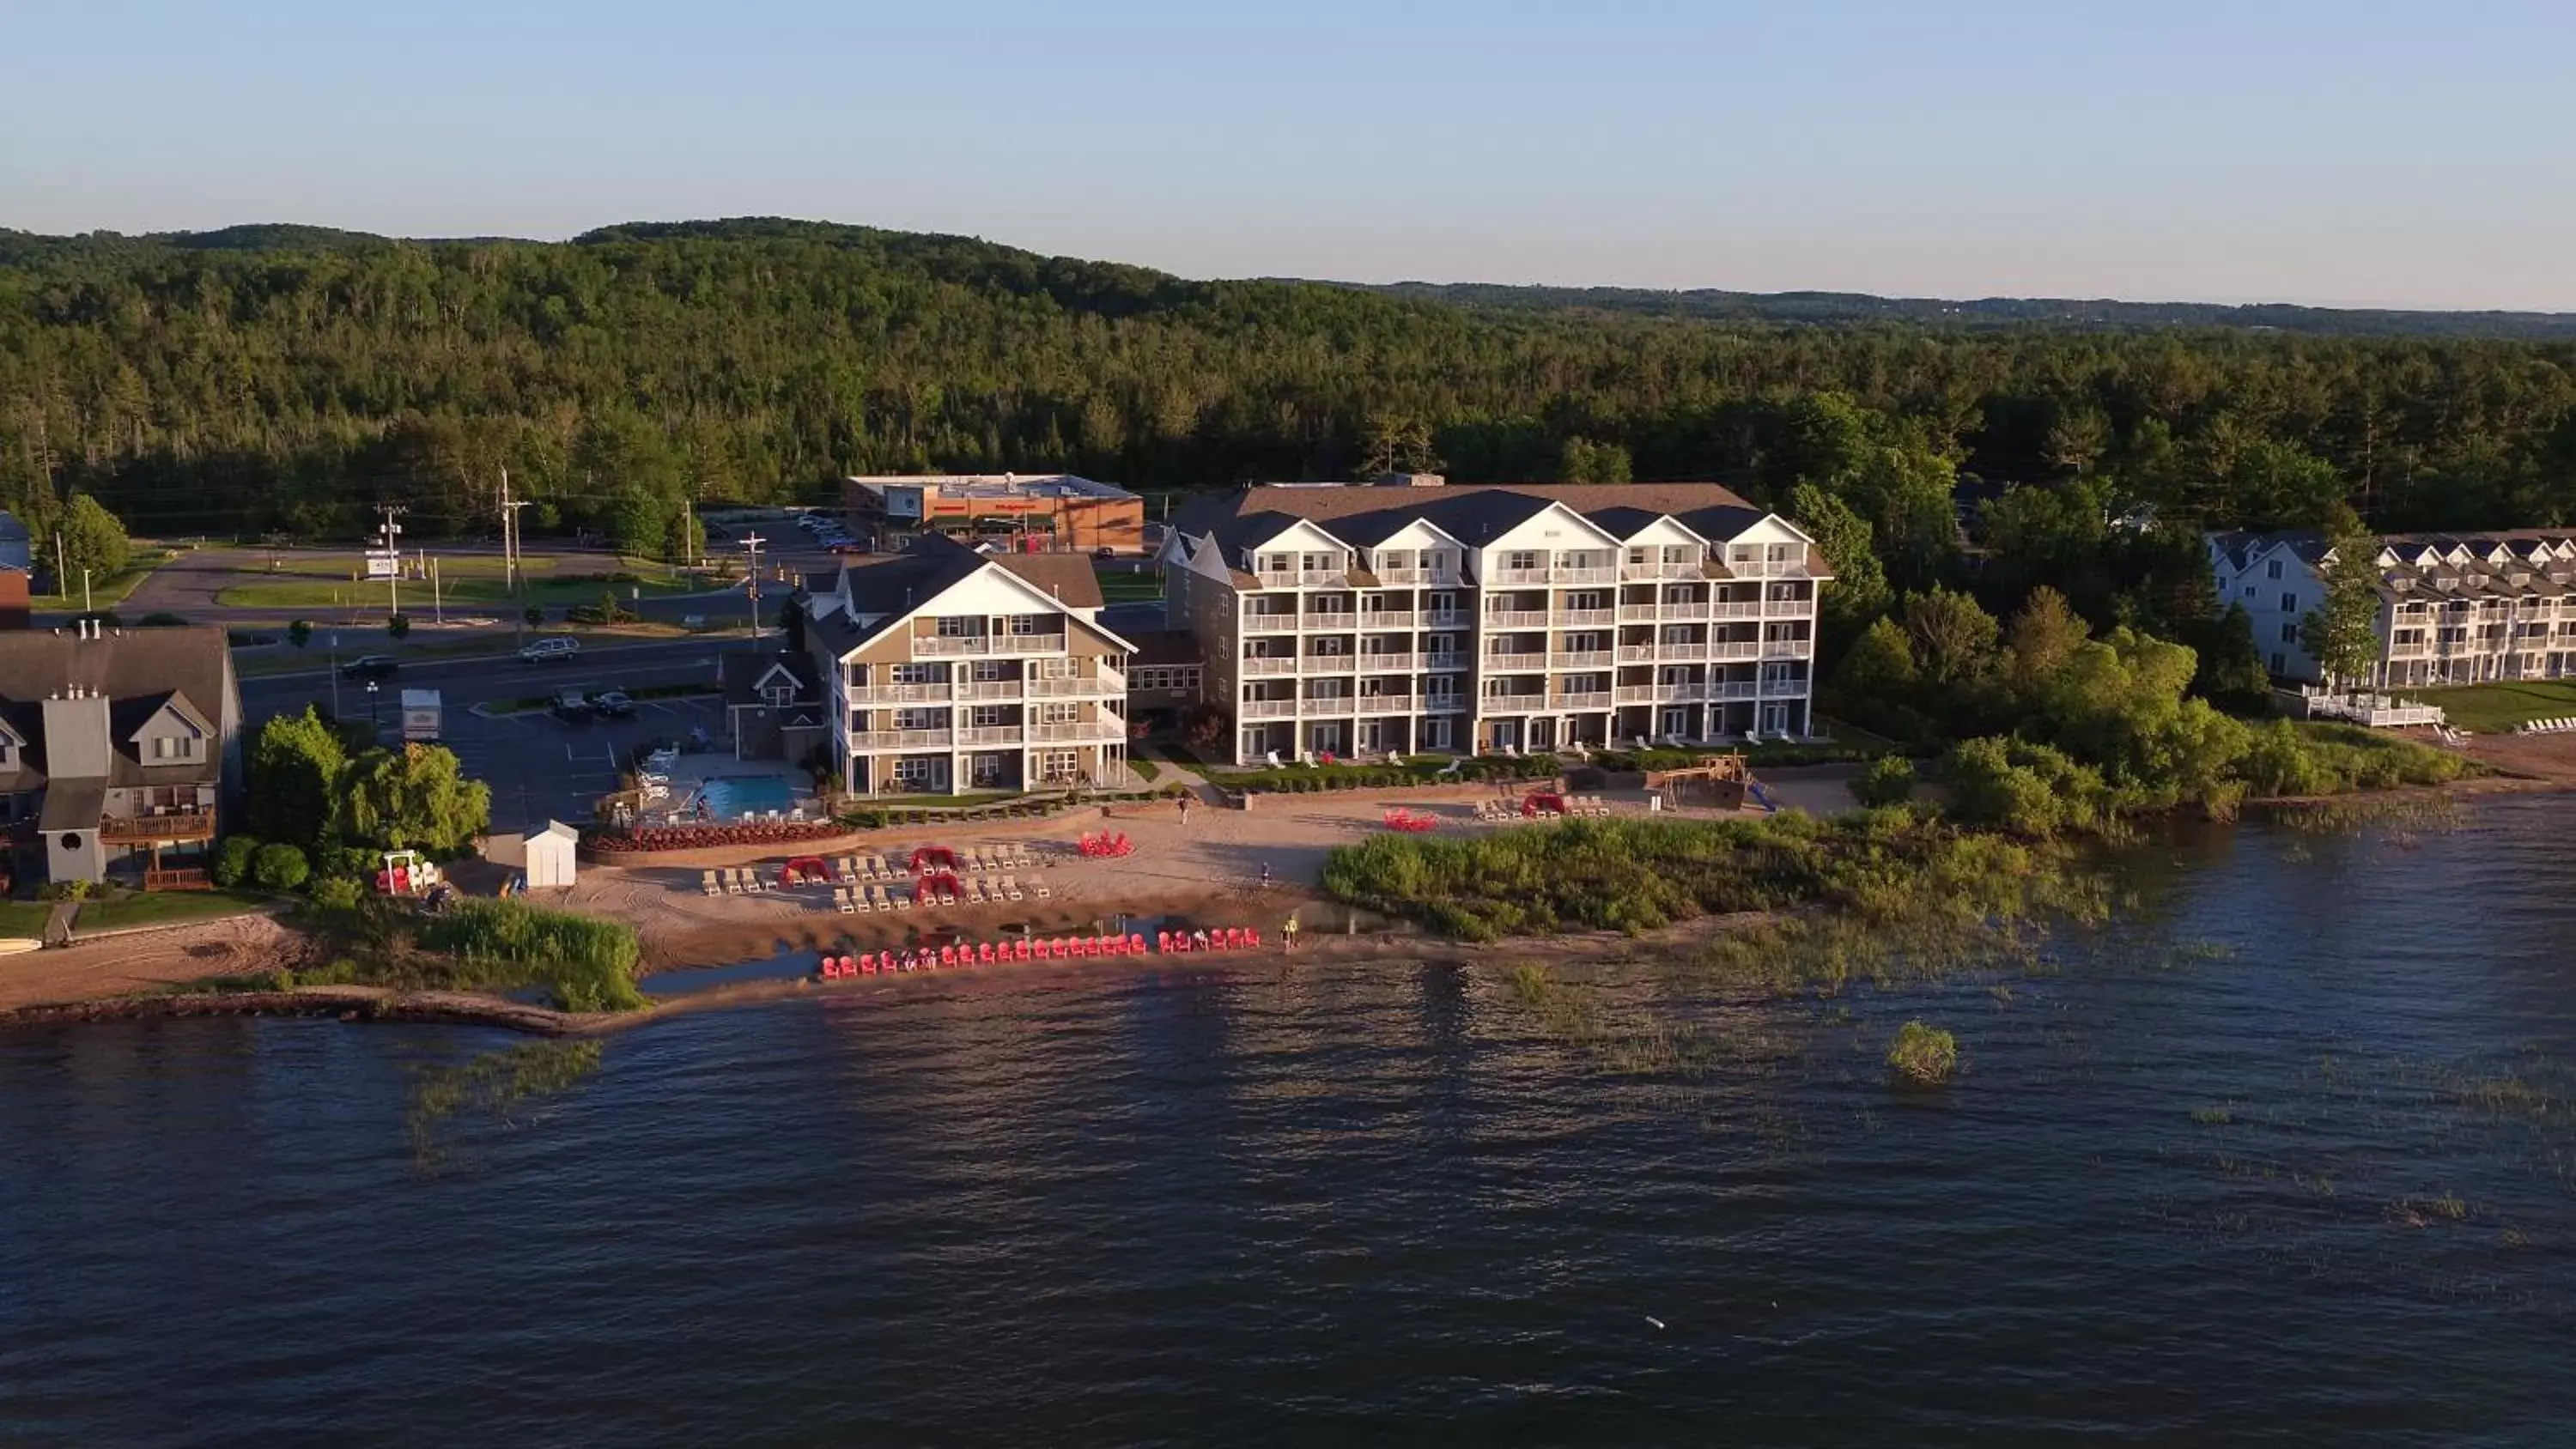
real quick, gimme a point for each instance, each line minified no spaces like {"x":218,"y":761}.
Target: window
{"x":1523,"y":559}
{"x":2289,"y":633}
{"x":1584,"y":644}
{"x":989,"y":716}
{"x":921,"y":719}
{"x":1743,"y":553}
{"x":986,"y":769}
{"x":1151,"y":677}
{"x":2272,"y":570}
{"x":1444,"y":643}
{"x":957,"y":626}
{"x":1060,"y":713}
{"x":778,"y":694}
{"x":1586,"y":599}
{"x":1329,"y":646}
{"x":916,"y":673}
{"x":1058,"y":766}
{"x":2289,"y":603}
{"x":1026,"y":624}
{"x":1319,"y":562}
{"x":1435,"y":734}
{"x":1444,"y":602}
{"x":2277,"y":666}
{"x":1278,"y":563}
{"x":914,"y":771}
{"x":988,"y":671}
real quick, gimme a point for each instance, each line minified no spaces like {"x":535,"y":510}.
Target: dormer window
{"x":172,"y":749}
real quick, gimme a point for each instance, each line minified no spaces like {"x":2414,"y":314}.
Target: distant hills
{"x":1705,"y":304}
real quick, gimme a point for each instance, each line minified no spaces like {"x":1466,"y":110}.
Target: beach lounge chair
{"x":1272,"y":756}
{"x":841,"y":898}
{"x":707,"y":883}
{"x":1010,"y":886}
{"x":975,"y":895}
{"x":732,"y":883}
{"x":902,"y":899}
{"x":1040,"y":887}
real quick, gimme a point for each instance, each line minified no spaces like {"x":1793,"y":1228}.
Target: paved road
{"x":465,"y":682}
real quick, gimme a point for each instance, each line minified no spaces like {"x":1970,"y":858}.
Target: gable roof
{"x":128,"y":718}
{"x":1471,"y":513}
{"x":895,"y":587}
{"x":746,"y":670}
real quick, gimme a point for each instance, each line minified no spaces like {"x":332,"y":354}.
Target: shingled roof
{"x":1365,"y":514}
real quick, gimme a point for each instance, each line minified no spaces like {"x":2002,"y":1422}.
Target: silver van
{"x":541,"y":651}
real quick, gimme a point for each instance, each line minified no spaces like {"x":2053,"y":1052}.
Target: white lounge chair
{"x":1273,"y":757}
{"x":902,"y":899}
{"x":975,"y":895}
{"x":707,"y":883}
{"x":1010,"y":886}
{"x":1040,"y":887}
{"x":841,"y":898}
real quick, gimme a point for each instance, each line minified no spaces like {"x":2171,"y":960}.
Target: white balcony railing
{"x":1277,"y":621}
{"x":1386,"y":704}
{"x":989,"y":735}
{"x":1386,"y":618}
{"x":1587,"y":574}
{"x":1732,"y":689}
{"x":1737,"y":610}
{"x":1079,"y":732}
{"x":1528,"y":661}
{"x":1516,"y":619}
{"x":943,"y":646}
{"x":1662,"y":693}
{"x":1106,"y":684}
{"x":1388,"y":663}
{"x":1444,"y":619}
{"x":1584,"y":616}
{"x":1324,"y":664}
{"x":1595,"y":699}
{"x":1787,"y":648}
{"x":1444,"y":661}
{"x":1517,"y":576}
{"x":904,"y":693}
{"x":1326,"y":704}
{"x":1269,"y":664}
{"x":1734,"y":649}
{"x":989,"y":688}
{"x":1320,"y":619}
{"x":1660,"y":570}
{"x":1584,"y":659}
{"x":902,"y":739}
{"x":1267,"y":709}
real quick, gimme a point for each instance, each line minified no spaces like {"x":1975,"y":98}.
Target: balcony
{"x":1275,"y":621}
{"x":1515,"y":703}
{"x":1732,"y":689}
{"x":1386,"y":619}
{"x":1685,"y":693}
{"x":1526,"y":662}
{"x":1517,"y":576}
{"x":1586,"y":574}
{"x":902,"y":739}
{"x":1267,"y":709}
{"x":1386,"y":704}
{"x":1079,"y":732}
{"x":1641,"y":653}
{"x":988,"y":689}
{"x":1736,"y":610}
{"x":146,"y":829}
{"x":1388,"y":663}
{"x":1636,"y":613}
{"x":908,"y":693}
{"x":1325,"y":664}
{"x":1330,"y":621}
{"x":1339,"y":578}
{"x":989,"y":735}
{"x":1326,"y":704}
{"x":1586,"y":659}
{"x":1107,"y":684}
{"x":1256,"y":664}
{"x":1595,"y":699}
{"x":1787,"y":648}
{"x":1444,"y":619}
{"x":1444,"y":704}
{"x":177,"y":878}
{"x":1444,"y":661}
{"x":1502,"y":619}
{"x":943,"y":646}
{"x":1584,"y":616}
{"x":1734,"y":649}
{"x":1660,"y":570}
{"x":1692,"y":610}
{"x":1400,"y":573}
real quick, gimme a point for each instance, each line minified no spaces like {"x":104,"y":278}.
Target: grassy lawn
{"x":322,"y":581}
{"x":24,"y":919}
{"x":1146,"y":770}
{"x":109,"y":592}
{"x":2494,"y":709}
{"x":163,"y":908}
{"x":1124,"y":586}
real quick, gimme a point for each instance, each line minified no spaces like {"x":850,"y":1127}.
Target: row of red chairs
{"x":1052,"y":948}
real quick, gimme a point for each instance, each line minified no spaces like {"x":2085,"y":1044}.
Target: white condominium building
{"x":2453,"y":608}
{"x":1411,"y":616}
{"x":949,"y":670}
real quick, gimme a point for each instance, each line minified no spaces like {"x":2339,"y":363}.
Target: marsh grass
{"x":1923,"y":1055}
{"x":2406,"y":816}
{"x":497,"y":1085}
{"x":586,"y":962}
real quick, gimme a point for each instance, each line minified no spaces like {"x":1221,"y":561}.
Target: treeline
{"x":286,"y":379}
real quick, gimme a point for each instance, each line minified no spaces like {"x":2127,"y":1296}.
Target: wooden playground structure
{"x":1717,"y":781}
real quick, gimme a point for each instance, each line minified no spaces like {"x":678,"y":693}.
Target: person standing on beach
{"x":1265,"y":875}
{"x":1185,"y":812}
{"x":1288,"y":932}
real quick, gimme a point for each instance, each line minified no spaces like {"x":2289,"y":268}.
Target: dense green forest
{"x":281,"y":379}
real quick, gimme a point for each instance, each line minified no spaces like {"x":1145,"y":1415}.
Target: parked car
{"x":370,"y":666}
{"x":612,"y":704}
{"x":541,"y":651}
{"x":569,"y":705}
{"x":846,"y":546}
{"x":1104,"y":553}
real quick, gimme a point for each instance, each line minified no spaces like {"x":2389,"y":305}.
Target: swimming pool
{"x":730,"y":797}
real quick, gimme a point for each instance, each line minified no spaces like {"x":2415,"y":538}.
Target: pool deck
{"x":690,"y":775}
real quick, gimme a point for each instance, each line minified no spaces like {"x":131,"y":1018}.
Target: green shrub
{"x":65,"y":890}
{"x":300,"y":633}
{"x":337,"y":892}
{"x":232,"y":863}
{"x":280,"y":867}
{"x":589,"y":963}
{"x":159,"y":620}
{"x":1887,"y":780}
{"x":1924,"y":1054}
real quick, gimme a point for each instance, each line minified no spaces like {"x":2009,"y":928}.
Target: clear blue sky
{"x":2337,"y":151}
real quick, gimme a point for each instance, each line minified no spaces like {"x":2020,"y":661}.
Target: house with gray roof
{"x":943,"y":669}
{"x":120,"y":752}
{"x":1412,"y":616}
{"x":2454,"y":608}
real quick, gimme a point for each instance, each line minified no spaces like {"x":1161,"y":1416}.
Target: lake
{"x":2284,"y":1156}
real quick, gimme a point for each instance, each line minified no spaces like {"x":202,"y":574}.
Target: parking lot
{"x":542,"y":767}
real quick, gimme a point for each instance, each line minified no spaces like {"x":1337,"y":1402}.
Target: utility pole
{"x":437,"y":606}
{"x":85,"y":604}
{"x":393,"y":556}
{"x":62,"y":578}
{"x":751,"y":545}
{"x":509,"y":537}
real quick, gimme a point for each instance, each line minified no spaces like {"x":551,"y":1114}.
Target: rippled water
{"x":2196,"y":1186}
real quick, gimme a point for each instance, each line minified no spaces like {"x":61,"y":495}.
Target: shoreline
{"x":1206,"y":873}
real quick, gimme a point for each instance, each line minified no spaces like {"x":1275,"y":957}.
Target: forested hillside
{"x":282,"y":378}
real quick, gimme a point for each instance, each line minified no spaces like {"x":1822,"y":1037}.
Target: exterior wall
{"x":2427,"y":637}
{"x":1553,"y":641}
{"x":14,"y":611}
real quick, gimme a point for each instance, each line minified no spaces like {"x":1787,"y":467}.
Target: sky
{"x":2337,"y":152}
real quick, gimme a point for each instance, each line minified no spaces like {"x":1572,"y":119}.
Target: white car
{"x":541,"y":651}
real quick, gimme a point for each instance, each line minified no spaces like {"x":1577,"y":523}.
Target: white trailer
{"x":420,"y":716}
